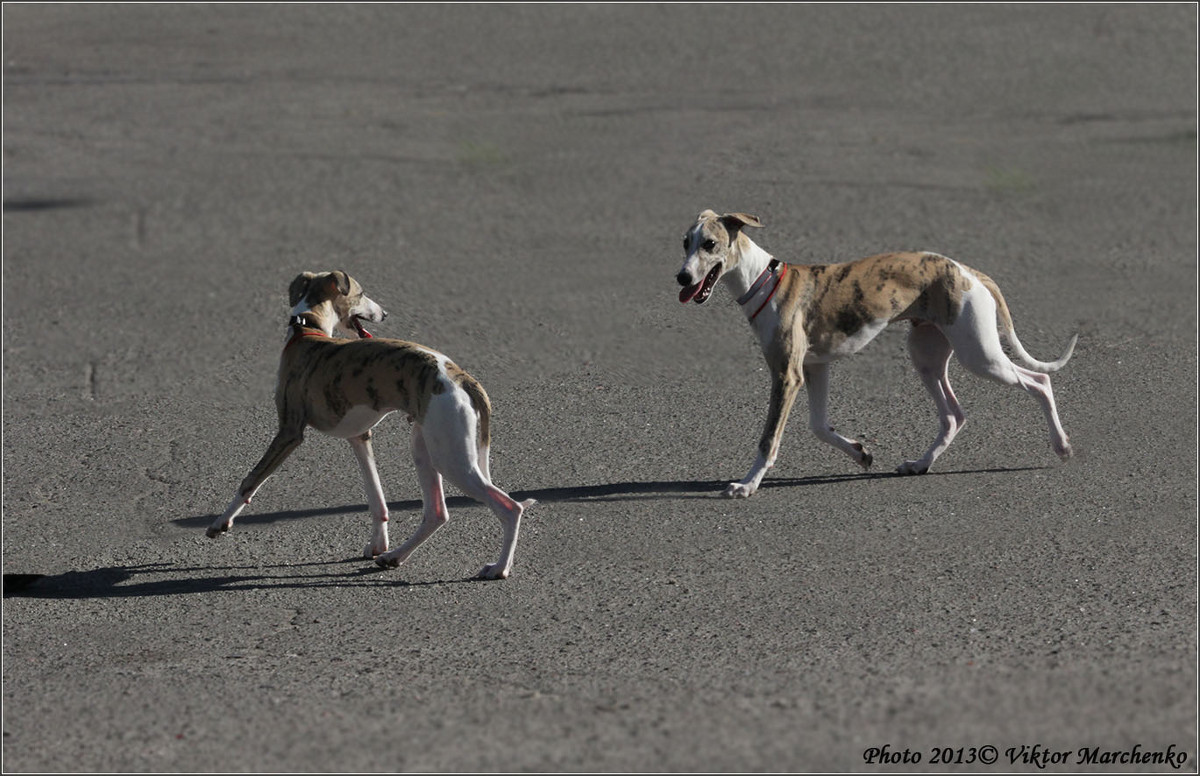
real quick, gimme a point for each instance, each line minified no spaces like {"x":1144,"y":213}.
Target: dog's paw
{"x":1065,"y":452}
{"x":216,"y":530}
{"x":371,"y":551}
{"x":865,"y":459}
{"x":493,"y":571}
{"x":912,"y":467}
{"x":739,"y":490}
{"x":384,"y":562}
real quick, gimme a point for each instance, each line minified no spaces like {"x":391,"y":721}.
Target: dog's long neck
{"x":752,"y":262}
{"x":302,"y":315}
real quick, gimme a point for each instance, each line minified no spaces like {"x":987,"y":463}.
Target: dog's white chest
{"x":766,"y":325}
{"x":357,"y":421}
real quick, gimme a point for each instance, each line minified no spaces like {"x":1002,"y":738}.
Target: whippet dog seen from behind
{"x":807,"y":316}
{"x":344,"y":387}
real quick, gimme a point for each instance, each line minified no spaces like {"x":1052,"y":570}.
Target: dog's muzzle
{"x":698,"y":292}
{"x":356,"y":322}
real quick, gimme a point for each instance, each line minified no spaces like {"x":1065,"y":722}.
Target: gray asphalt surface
{"x":511,"y":182}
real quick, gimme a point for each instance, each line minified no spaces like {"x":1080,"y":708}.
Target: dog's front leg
{"x":375,"y":500}
{"x":433,"y":515}
{"x":784,"y":386}
{"x":816,"y":379}
{"x":281,"y":447}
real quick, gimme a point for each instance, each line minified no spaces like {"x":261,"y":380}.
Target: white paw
{"x":912,"y":467}
{"x":493,"y":571}
{"x":372,"y":550}
{"x":739,"y":490}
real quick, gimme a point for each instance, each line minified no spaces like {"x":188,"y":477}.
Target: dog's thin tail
{"x":483,"y":408}
{"x":1010,"y":332}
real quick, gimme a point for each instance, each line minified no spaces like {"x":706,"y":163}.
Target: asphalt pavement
{"x":511,"y":182}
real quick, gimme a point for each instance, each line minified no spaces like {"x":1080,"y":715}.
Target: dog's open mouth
{"x":700,"y":292}
{"x":358,"y":327}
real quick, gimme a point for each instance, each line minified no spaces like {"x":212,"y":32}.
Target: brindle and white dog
{"x":344,"y":387}
{"x":807,"y":316}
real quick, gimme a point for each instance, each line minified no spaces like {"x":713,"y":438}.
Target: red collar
{"x":775,"y":270}
{"x":303,"y":330}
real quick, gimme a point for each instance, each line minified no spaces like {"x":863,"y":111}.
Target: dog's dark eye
{"x":685,"y":242}
{"x":710,"y":244}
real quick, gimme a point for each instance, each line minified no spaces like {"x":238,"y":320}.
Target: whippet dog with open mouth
{"x":344,"y":387}
{"x":807,"y":316}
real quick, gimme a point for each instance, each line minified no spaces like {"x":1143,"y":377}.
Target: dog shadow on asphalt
{"x":158,"y":579}
{"x":164,"y":579}
{"x":619,"y":491}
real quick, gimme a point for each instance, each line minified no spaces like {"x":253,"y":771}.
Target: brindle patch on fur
{"x":335,"y":400}
{"x":412,"y":370}
{"x":416,"y":372}
{"x":831,"y":303}
{"x":941,"y":299}
{"x":456,"y":373}
{"x":855,"y":314}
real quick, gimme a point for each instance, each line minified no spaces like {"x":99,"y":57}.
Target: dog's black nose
{"x":684,"y":279}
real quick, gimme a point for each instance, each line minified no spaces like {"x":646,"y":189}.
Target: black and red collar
{"x":302,"y":328}
{"x":764,"y":286}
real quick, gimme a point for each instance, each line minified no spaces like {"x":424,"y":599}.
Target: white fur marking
{"x":357,"y":421}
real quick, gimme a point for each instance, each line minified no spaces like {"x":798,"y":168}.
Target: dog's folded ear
{"x":340,"y":282}
{"x":735,"y":221}
{"x":299,"y":287}
{"x":328,"y":286}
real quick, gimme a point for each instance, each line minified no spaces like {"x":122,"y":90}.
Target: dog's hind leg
{"x":455,"y":453}
{"x":281,"y":447}
{"x":976,"y":344}
{"x":375,"y":499}
{"x":509,"y":512}
{"x":1038,"y":384}
{"x":433,"y":514}
{"x":816,"y":380}
{"x":930,"y":352}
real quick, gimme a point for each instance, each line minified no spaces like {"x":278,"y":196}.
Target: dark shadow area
{"x":137,"y":581}
{"x":612,"y":492}
{"x":37,"y":204}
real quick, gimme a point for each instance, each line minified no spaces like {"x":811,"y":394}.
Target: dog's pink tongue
{"x":689,"y":293}
{"x":362,"y":332}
